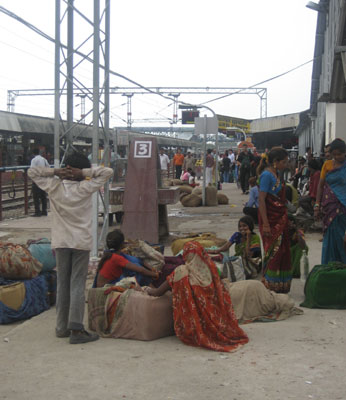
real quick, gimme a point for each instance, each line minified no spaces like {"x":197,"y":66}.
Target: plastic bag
{"x":233,"y":269}
{"x":304,"y":266}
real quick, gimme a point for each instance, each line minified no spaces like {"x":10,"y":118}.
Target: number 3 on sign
{"x":142,"y":149}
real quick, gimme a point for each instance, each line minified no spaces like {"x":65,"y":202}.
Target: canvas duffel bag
{"x":325,"y":287}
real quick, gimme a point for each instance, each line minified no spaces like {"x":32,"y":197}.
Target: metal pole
{"x":26,"y":197}
{"x":106,"y":119}
{"x":57,"y":86}
{"x":70,"y":51}
{"x":95,"y":142}
{"x":0,"y":196}
{"x":217,"y":159}
{"x":204,"y":158}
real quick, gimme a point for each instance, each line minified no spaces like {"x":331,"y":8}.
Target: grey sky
{"x":205,"y":43}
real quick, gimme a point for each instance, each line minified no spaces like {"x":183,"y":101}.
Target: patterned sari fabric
{"x":334,"y":216}
{"x":106,"y":306}
{"x":277,"y":271}
{"x":202,"y":307}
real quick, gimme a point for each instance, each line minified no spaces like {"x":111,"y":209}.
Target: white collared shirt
{"x":71,"y":205}
{"x":39,"y":161}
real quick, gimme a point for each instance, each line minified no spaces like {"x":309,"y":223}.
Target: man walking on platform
{"x":39,"y":195}
{"x":164,"y":164}
{"x":231,"y":156}
{"x":209,"y":166}
{"x":189,"y":162}
{"x":178,"y":161}
{"x":245,"y":160}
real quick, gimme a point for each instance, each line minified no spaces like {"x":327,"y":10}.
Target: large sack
{"x":35,"y":301}
{"x":205,"y":239}
{"x":182,"y":195}
{"x":211,"y":196}
{"x":176,"y":182}
{"x":325,"y":287}
{"x":185,"y":189}
{"x":143,"y":317}
{"x":197,"y":191}
{"x":12,"y":295}
{"x":42,"y":250}
{"x":191,"y":200}
{"x":222,"y":198}
{"x":16,"y":262}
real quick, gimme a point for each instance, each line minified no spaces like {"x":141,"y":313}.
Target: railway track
{"x":13,"y":199}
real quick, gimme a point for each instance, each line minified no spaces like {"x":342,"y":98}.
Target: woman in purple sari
{"x":334,"y":205}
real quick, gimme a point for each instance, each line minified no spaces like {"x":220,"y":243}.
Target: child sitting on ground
{"x":115,"y":265}
{"x":247,"y":245}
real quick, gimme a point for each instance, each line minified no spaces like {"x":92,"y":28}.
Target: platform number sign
{"x":142,"y":149}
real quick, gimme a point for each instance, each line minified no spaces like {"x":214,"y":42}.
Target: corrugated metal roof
{"x":9,"y":122}
{"x":274,"y":123}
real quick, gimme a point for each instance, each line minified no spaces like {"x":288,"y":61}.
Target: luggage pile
{"x":27,"y":280}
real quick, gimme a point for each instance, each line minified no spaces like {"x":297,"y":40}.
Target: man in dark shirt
{"x":245,"y":160}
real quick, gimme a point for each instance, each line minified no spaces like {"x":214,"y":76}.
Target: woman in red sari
{"x":202,"y":308}
{"x":273,"y":224}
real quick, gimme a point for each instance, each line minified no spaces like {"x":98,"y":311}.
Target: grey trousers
{"x":72,"y":270}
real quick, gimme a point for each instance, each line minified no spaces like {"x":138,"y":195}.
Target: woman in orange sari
{"x":202,"y":307}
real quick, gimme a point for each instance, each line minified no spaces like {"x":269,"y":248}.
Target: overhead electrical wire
{"x":46,"y":36}
{"x":259,"y":83}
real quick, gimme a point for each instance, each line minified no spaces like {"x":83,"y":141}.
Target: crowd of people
{"x":203,"y":303}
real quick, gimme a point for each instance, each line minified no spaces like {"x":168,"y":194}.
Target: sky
{"x":184,"y":43}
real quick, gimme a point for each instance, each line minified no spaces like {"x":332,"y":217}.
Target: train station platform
{"x":302,"y":357}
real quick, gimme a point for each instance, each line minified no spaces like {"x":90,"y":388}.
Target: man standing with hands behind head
{"x":39,"y":195}
{"x":70,"y":190}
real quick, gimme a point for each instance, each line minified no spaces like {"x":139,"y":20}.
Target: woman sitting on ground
{"x":204,"y":311}
{"x":202,"y":308}
{"x":115,"y":265}
{"x":186,"y":175}
{"x":247,"y":244}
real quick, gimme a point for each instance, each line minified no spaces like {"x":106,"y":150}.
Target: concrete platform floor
{"x":299,"y":358}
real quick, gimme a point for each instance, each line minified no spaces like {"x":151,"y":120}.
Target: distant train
{"x":20,"y":134}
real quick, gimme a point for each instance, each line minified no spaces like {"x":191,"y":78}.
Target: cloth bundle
{"x":41,"y":249}
{"x":147,"y":254}
{"x":207,"y":240}
{"x":16,"y":262}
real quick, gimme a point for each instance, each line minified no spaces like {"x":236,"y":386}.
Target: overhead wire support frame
{"x":172,"y":92}
{"x":73,"y":85}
